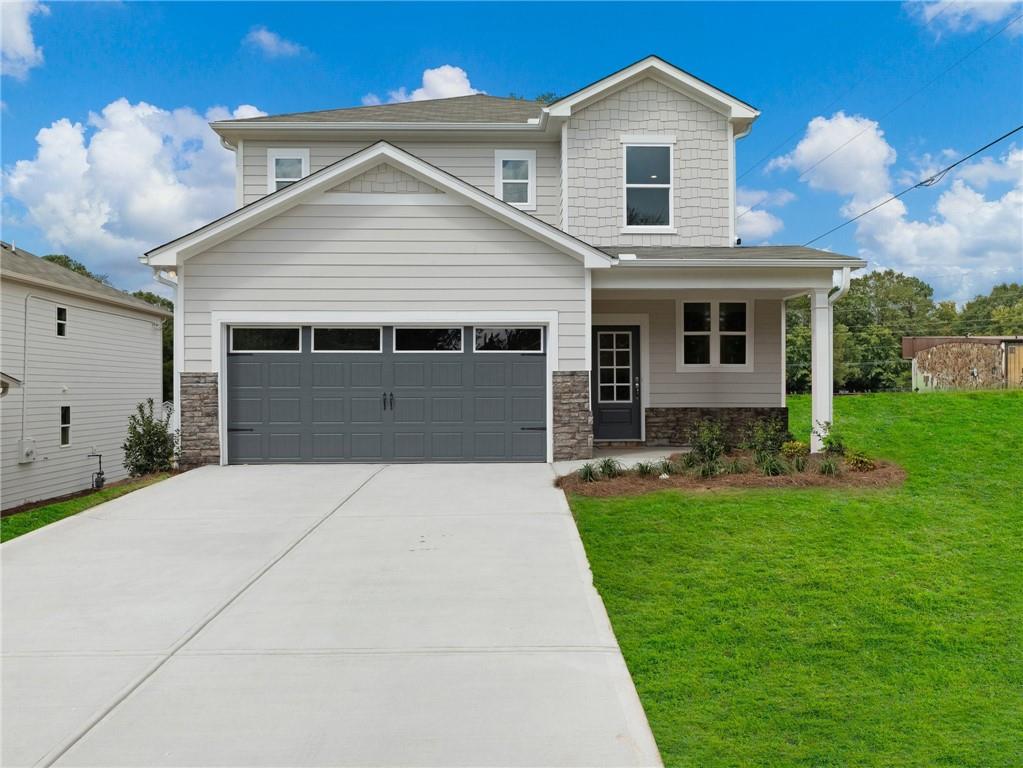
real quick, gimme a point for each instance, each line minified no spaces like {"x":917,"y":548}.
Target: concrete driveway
{"x":417,"y":615}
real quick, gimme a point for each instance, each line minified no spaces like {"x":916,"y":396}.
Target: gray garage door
{"x":328,"y":394}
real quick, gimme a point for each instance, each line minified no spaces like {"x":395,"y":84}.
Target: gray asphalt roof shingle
{"x":15,"y":261}
{"x":478,"y":108}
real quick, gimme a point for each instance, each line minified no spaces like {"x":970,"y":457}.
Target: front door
{"x":615,"y":383}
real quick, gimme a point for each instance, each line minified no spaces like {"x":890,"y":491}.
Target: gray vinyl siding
{"x":470,"y":161}
{"x":109,"y":361}
{"x":761,"y":387}
{"x":700,"y":175}
{"x":379,"y":258}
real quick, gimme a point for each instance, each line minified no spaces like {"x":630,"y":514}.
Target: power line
{"x":899,"y":105}
{"x":928,"y":182}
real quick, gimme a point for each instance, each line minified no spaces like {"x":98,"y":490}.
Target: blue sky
{"x":794,"y":61}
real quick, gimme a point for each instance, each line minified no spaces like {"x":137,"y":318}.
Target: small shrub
{"x":610,"y":468}
{"x":710,"y":468}
{"x":667,"y":467}
{"x":736,"y":466}
{"x":828,"y":466}
{"x":793,"y":449}
{"x":708,"y":442}
{"x":858,"y":461}
{"x":772,"y":465}
{"x":588,"y":473}
{"x":765,"y":438}
{"x":646,"y":468}
{"x":150,"y":446}
{"x":799,"y":463}
{"x":689,"y":460}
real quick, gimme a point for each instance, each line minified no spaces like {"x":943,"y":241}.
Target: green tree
{"x":977,"y":316}
{"x":63,"y":260}
{"x":168,"y":340}
{"x":1008,"y":320}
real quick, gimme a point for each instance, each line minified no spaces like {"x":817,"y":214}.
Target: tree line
{"x":871,"y":319}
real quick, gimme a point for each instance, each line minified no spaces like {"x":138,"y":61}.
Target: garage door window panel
{"x":493,"y":339}
{"x":428,"y":340}
{"x":347,"y":339}
{"x":272,"y":340}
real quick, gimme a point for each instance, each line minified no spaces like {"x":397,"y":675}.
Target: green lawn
{"x":21,"y":523}
{"x":834,"y":628}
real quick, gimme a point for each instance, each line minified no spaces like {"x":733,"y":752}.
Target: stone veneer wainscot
{"x":200,"y":424}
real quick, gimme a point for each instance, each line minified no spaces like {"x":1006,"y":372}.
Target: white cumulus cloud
{"x":753,"y":219}
{"x":964,"y":16}
{"x":970,"y":240}
{"x":18,"y":50}
{"x":271,"y":44}
{"x":441,"y":82}
{"x":127,"y":179}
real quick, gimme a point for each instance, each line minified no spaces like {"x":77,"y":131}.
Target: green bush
{"x":668,"y":467}
{"x":610,"y":467}
{"x":772,"y":465}
{"x":736,"y":466}
{"x":588,"y":472}
{"x":708,"y":446}
{"x":151,"y":446}
{"x":858,"y":461}
{"x":765,"y":438}
{"x":828,"y":466}
{"x":645,"y":468}
{"x":793,"y":449}
{"x":799,"y":463}
{"x":831,"y":439}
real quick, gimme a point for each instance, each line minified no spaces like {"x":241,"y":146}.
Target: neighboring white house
{"x":77,"y":357}
{"x":487,"y":279}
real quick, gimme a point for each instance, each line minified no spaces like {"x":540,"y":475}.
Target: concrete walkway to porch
{"x":629,"y":456}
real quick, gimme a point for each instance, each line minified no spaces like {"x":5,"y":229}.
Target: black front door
{"x":615,"y":383}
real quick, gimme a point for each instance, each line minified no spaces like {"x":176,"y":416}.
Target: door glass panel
{"x":265,"y":340}
{"x":346,"y":339}
{"x":427,"y":339}
{"x":614,"y":355}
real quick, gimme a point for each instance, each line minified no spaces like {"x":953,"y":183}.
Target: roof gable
{"x":658,"y":69}
{"x":386,"y":179}
{"x":322,"y":181}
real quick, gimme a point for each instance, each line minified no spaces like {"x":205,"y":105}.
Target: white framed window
{"x":65,"y":426}
{"x":338,"y":339}
{"x":285,"y":166}
{"x":493,"y":339}
{"x":62,"y":321}
{"x":648,"y":193}
{"x":274,"y":339}
{"x":715,"y":333}
{"x":515,"y":177}
{"x":423,"y":339}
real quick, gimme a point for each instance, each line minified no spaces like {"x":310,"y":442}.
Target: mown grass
{"x":28,"y":520}
{"x":833,"y":628}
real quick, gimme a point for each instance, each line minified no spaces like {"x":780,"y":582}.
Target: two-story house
{"x":487,"y":279}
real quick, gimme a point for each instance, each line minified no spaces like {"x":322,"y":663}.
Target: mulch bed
{"x":885,"y":475}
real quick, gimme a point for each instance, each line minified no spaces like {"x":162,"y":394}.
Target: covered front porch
{"x":676,"y":339}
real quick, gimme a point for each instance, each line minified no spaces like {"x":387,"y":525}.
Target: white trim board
{"x":220,"y":321}
{"x":643,"y":321}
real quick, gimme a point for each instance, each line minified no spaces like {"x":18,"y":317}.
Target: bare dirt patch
{"x":884,"y":475}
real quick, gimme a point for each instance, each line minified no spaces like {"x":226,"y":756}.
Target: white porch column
{"x":821,"y":376}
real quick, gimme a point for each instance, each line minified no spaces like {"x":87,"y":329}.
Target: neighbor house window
{"x":648,"y":192}
{"x":65,"y":425}
{"x":508,"y":339}
{"x":346,"y":340}
{"x":427,"y":339}
{"x":285,"y":167}
{"x":266,"y":340}
{"x":62,"y":321}
{"x":716,"y":333}
{"x":515,"y":177}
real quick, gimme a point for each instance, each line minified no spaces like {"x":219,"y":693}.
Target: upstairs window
{"x":62,"y":321}
{"x":648,"y":192}
{"x":285,"y":167}
{"x":515,"y":177}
